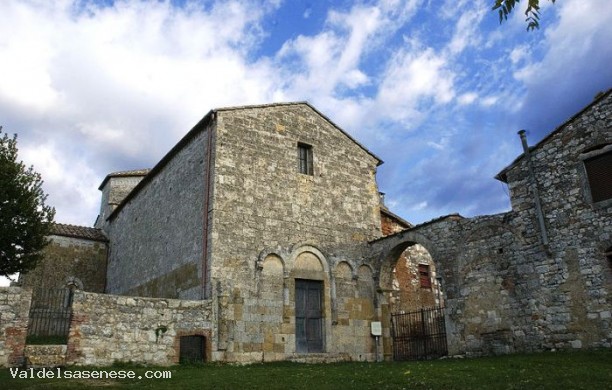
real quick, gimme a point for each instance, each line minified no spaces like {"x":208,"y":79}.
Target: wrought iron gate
{"x":50,"y":314}
{"x":419,"y":334}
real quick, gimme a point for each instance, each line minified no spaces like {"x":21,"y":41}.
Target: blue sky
{"x":437,"y":89}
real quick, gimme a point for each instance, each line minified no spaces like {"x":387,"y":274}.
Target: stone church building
{"x":263,"y":233}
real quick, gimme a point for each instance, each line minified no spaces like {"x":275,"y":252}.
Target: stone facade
{"x":226,"y":215}
{"x":311,"y":227}
{"x":14,"y":311}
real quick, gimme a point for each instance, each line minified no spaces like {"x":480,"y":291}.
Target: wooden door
{"x":308,"y":315}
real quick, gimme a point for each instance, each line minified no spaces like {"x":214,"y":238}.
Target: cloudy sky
{"x":437,"y":89}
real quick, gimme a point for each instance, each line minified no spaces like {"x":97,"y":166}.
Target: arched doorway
{"x":412,"y":303}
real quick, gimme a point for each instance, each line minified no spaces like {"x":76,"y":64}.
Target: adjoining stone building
{"x":76,"y":256}
{"x":538,"y":277}
{"x":270,"y":217}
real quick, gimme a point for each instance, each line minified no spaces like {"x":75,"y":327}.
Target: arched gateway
{"x":411,"y":299}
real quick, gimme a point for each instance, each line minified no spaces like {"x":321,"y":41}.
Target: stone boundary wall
{"x":14,"y":311}
{"x":110,"y":328}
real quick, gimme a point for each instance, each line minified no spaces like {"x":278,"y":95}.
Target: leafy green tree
{"x":505,"y":7}
{"x":25,"y":220}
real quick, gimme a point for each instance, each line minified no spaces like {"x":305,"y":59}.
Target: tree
{"x":25,"y":220}
{"x":532,"y":13}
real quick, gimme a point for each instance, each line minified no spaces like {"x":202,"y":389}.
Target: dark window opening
{"x":599,"y":173}
{"x":424,"y":276}
{"x":305,"y":159}
{"x":192,"y":349}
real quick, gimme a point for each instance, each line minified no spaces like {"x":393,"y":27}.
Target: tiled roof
{"x":60,"y":229}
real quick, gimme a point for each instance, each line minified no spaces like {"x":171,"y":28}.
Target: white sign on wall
{"x":376,"y":328}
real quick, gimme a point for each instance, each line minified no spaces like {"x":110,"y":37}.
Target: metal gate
{"x":419,"y":335}
{"x":50,"y":315}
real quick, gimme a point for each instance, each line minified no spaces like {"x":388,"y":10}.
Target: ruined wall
{"x":571,"y":306}
{"x":14,"y":312}
{"x":264,"y":206}
{"x":505,"y":291}
{"x":66,"y":258}
{"x":109,"y":328}
{"x":156,"y":239}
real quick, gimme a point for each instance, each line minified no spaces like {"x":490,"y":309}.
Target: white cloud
{"x":467,"y":32}
{"x":519,"y":53}
{"x":467,"y":98}
{"x":412,"y":76}
{"x":121,"y":82}
{"x":92,"y":89}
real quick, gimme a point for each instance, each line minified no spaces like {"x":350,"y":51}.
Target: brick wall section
{"x":14,"y":312}
{"x":505,"y":291}
{"x":109,"y":328}
{"x":390,"y":225}
{"x":157,"y":238}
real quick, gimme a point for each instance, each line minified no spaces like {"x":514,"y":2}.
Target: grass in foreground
{"x":552,"y":370}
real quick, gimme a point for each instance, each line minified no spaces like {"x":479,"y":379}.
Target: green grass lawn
{"x":551,"y":370}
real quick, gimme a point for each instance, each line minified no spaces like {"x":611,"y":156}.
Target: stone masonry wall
{"x":157,"y":238}
{"x":116,"y":188}
{"x":273,"y":225}
{"x":14,"y":312}
{"x":572,"y":306}
{"x":504,"y":290}
{"x":66,"y":258}
{"x":109,"y":328}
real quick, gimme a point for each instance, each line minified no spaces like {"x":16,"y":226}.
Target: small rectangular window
{"x":599,"y":173}
{"x":424,"y":276}
{"x":305,"y":159}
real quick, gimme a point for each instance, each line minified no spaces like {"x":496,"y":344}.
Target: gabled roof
{"x":200,"y":126}
{"x":305,"y":103}
{"x":400,"y":220}
{"x":60,"y":229}
{"x":501,"y":176}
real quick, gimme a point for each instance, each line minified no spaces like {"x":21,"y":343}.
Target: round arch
{"x":297,"y":251}
{"x":393,"y":248}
